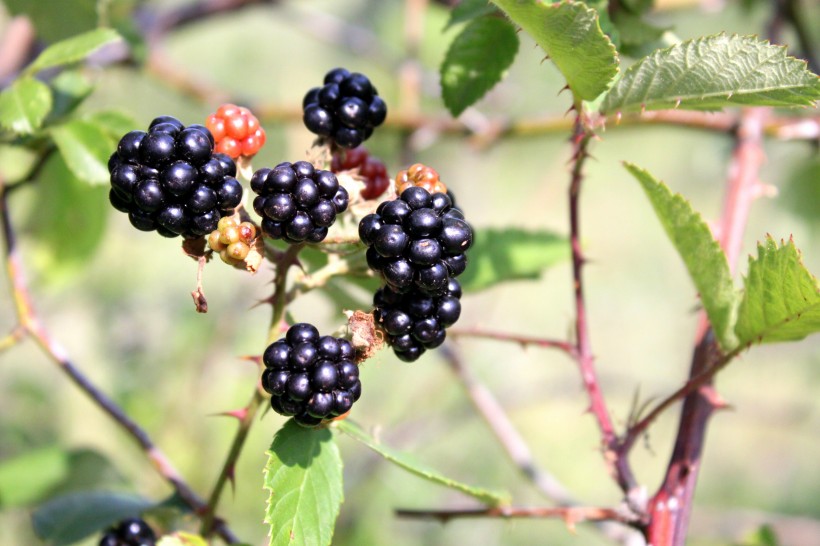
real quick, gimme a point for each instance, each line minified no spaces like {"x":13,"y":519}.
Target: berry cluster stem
{"x":279,"y":302}
{"x":31,"y":326}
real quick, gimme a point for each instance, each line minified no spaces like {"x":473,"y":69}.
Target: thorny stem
{"x":670,"y":508}
{"x":247,"y":415}
{"x":30,"y":322}
{"x":619,"y":467}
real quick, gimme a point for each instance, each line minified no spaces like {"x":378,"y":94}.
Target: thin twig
{"x":524,"y":341}
{"x":516,"y":447}
{"x":28,"y":318}
{"x":570,"y":515}
{"x":12,"y":338}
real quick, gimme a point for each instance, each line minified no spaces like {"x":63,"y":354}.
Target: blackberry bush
{"x":415,"y":321}
{"x":345,"y":109}
{"x":297,"y":202}
{"x":371,"y":169}
{"x":129,"y":532}
{"x":417,"y":241}
{"x":309,"y":376}
{"x":169,"y":180}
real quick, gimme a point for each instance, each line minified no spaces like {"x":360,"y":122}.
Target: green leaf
{"x":572,"y":37}
{"x":17,"y":162}
{"x":85,"y":147}
{"x":467,"y":10}
{"x":712,"y":73}
{"x":69,"y":222}
{"x":24,"y":105}
{"x":182,"y":539}
{"x":70,"y":518}
{"x":801,"y":194}
{"x":70,"y":88}
{"x":634,"y":31}
{"x":501,"y":255}
{"x":24,"y":479}
{"x":73,"y":49}
{"x":764,"y":536}
{"x":304,"y":477}
{"x":702,"y":255}
{"x":492,"y":498}
{"x":477,"y":59}
{"x":114,"y":122}
{"x":781,"y":301}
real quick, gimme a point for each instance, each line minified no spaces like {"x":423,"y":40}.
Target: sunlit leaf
{"x":467,"y":10}
{"x":781,"y":301}
{"x":304,"y":477}
{"x":712,"y":73}
{"x":74,"y":49}
{"x":24,"y":105}
{"x":25,"y":478}
{"x":702,"y":255}
{"x":85,"y":147}
{"x":572,"y":38}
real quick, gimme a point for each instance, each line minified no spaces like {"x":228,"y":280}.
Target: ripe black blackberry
{"x":297,"y":202}
{"x":345,"y":109}
{"x":417,"y":241}
{"x":414,"y":321}
{"x":310,"y":377}
{"x":129,"y":532}
{"x":169,"y":180}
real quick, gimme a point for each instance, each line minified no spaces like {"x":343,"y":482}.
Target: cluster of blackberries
{"x":372,"y":170}
{"x":414,"y":321}
{"x":309,"y":376}
{"x":129,"y":532}
{"x":169,"y":179}
{"x":417,"y":241}
{"x":297,"y":202}
{"x":346,"y":109}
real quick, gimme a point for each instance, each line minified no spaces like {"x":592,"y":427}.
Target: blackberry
{"x":169,"y":180}
{"x":345,"y":109}
{"x":310,"y":377}
{"x":416,"y":242}
{"x":415,"y":321}
{"x":297,"y":202}
{"x":129,"y":532}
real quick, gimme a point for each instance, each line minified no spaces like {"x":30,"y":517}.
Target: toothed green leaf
{"x":712,"y":73}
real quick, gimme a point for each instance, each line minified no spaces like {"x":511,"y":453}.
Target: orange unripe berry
{"x":227,"y":110}
{"x":229,"y":235}
{"x":230,"y":147}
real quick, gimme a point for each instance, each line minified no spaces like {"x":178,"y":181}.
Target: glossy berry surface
{"x":414,"y":321}
{"x":416,"y":242}
{"x":236,"y":131}
{"x":345,"y":109}
{"x":129,"y":532}
{"x":310,"y":377}
{"x":372,"y":171}
{"x":297,"y":202}
{"x":170,"y":180}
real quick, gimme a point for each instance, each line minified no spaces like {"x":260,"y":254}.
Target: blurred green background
{"x":126,"y":316}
